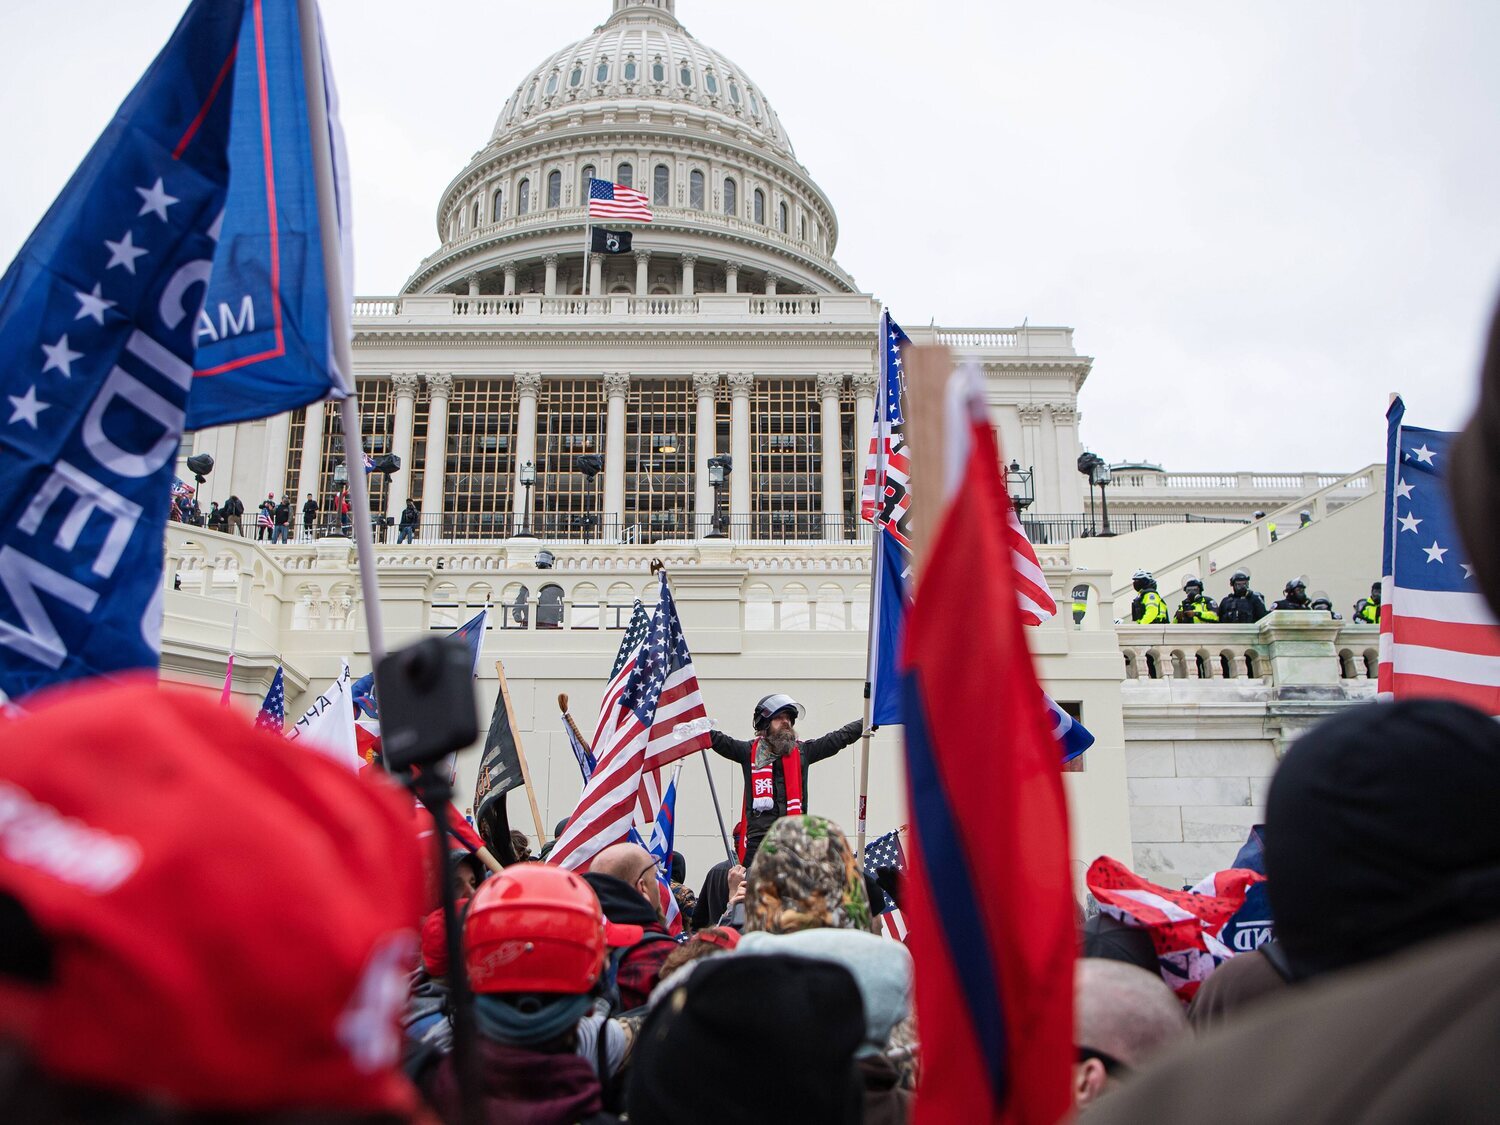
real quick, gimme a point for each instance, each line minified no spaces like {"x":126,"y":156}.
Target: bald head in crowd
{"x":630,"y":863}
{"x":1123,"y":1016}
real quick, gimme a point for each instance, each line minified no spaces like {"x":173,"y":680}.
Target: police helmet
{"x":771,"y":706}
{"x":1240,"y":576}
{"x":1142,"y":580}
{"x":1298,"y":583}
{"x":1259,"y":514}
{"x":1374,"y":589}
{"x":1189,"y":582}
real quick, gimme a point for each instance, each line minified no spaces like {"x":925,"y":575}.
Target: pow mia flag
{"x":611,"y":241}
{"x":500,"y":767}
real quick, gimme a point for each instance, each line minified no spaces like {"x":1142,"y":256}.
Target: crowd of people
{"x":1240,"y":606}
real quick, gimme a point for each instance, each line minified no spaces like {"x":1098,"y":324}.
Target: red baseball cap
{"x":230,"y":919}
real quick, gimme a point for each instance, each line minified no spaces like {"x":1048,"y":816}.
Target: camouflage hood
{"x":804,"y":877}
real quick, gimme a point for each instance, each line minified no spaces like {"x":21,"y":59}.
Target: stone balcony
{"x":533,"y":310}
{"x":1209,"y":711}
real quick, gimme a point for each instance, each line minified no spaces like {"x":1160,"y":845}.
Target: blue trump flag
{"x":177,"y":281}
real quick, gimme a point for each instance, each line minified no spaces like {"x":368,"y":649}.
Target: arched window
{"x":585,"y":613}
{"x":475,"y":223}
{"x":760,"y":206}
{"x":734,"y":91}
{"x":760,"y":609}
{"x":497,"y":206}
{"x":781,"y":217}
{"x":523,"y":197}
{"x":658,"y":70}
{"x":601,"y":72}
{"x":554,"y":188}
{"x":695,"y":190}
{"x":531,"y":94}
{"x":796,"y":609}
{"x":754,"y":104}
{"x":625,"y":175}
{"x":575,"y":79}
{"x":685,"y":74}
{"x":618,"y":605}
{"x":731,"y":197}
{"x":828,"y":610}
{"x":583,"y":181}
{"x":710,"y":83}
{"x":661,"y":185}
{"x":630,"y":70}
{"x":552,"y":85}
{"x":515,"y":607}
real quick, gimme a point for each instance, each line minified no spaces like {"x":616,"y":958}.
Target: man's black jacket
{"x":813,"y":750}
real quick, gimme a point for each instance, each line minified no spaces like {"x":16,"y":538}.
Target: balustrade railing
{"x":1061,"y":529}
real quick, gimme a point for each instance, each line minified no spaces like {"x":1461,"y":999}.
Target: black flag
{"x":500,"y":767}
{"x":611,"y":241}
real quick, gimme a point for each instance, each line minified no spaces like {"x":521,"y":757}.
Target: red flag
{"x":990,"y":907}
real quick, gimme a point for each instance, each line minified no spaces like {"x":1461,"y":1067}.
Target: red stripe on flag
{"x":1406,"y":685}
{"x":1476,"y":639}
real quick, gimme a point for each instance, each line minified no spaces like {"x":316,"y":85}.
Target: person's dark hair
{"x":520,"y":844}
{"x":679,"y":868}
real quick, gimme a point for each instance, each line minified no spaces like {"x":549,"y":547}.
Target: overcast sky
{"x":1260,"y":218}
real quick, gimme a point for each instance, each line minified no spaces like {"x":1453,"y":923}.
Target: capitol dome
{"x":642,"y":103}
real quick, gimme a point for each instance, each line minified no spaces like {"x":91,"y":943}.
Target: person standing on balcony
{"x":309,"y":515}
{"x":1196,"y":607}
{"x":775,"y":765}
{"x":341,"y":508}
{"x":1368,"y":609}
{"x":281,"y":529}
{"x":1242,"y":606}
{"x":1149,"y":608}
{"x":410,"y":518}
{"x":234,"y":511}
{"x":1295,"y":596}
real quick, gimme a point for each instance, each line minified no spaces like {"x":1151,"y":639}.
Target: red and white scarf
{"x":761,"y":795}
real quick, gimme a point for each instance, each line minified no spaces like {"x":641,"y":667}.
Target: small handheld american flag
{"x":885,"y":852}
{"x":273,"y":711}
{"x":616,"y":201}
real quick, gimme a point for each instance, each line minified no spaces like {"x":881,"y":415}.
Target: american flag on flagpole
{"x":630,"y":650}
{"x":660,"y":718}
{"x":886,"y":852}
{"x":616,"y":201}
{"x":1437,"y":635}
{"x":272,"y":714}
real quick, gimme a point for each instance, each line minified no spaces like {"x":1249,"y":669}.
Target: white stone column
{"x":510,"y":281}
{"x":688,"y":261}
{"x":434,"y":470}
{"x":405,"y":384}
{"x":771,"y":280}
{"x":311,"y":469}
{"x":278,"y":437}
{"x":706,"y":384}
{"x":596,"y":275}
{"x":1031,"y":439}
{"x":830,"y":444}
{"x":740,"y":384}
{"x":549,"y":287}
{"x":1069,"y":498}
{"x":642,"y":262}
{"x":528,"y":383}
{"x":1044,"y":481}
{"x":865,"y":385}
{"x":616,"y":387}
{"x":473,"y":280}
{"x":731,"y":277}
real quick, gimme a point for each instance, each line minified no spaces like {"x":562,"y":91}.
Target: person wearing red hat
{"x":535,"y":946}
{"x":189,"y":926}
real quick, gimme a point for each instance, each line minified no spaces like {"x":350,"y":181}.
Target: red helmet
{"x":534,"y":928}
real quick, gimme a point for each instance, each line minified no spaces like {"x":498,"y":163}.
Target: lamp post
{"x":590,"y":465}
{"x":719,"y":468}
{"x":528,"y":481}
{"x":1096,"y":469}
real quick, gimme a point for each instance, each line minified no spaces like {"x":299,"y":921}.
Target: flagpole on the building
{"x":339,"y":307}
{"x":882,"y":410}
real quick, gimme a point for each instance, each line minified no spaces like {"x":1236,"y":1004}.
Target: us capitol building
{"x":730,"y":329}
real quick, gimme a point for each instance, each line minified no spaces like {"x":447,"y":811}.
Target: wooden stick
{"x":536,"y":812}
{"x":562,"y":705}
{"x":927,"y":369}
{"x":487,"y":857}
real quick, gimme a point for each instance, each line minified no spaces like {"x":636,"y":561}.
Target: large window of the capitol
{"x":659,"y":453}
{"x":785,"y":459}
{"x":376,"y":406}
{"x":853,"y":459}
{"x":570,"y":423}
{"x":481,"y":458}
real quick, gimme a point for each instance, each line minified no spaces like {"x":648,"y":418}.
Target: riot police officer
{"x":1148,"y":608}
{"x":1368,"y":609}
{"x":1196,"y":608}
{"x":1295,"y":596}
{"x":1242,"y":605}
